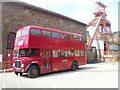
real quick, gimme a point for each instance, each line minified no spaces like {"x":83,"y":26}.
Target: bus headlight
{"x":22,"y":65}
{"x":22,"y":70}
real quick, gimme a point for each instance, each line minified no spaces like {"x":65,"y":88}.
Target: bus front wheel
{"x":74,"y":66}
{"x":33,"y":71}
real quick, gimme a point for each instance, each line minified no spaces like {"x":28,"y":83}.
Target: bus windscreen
{"x":22,"y":32}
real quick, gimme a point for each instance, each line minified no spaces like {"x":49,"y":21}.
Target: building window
{"x":11,"y":40}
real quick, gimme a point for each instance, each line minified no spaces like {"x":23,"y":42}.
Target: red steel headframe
{"x":102,"y":25}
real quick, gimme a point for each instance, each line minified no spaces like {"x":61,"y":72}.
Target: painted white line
{"x":18,"y":80}
{"x":4,"y":79}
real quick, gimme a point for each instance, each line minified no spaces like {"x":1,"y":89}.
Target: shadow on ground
{"x":60,"y":72}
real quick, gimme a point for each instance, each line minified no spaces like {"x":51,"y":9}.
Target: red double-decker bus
{"x":41,"y":50}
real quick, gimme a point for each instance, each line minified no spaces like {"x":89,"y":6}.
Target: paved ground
{"x":100,"y":75}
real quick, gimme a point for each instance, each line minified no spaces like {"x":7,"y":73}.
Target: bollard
{"x":18,"y":80}
{"x":4,"y":79}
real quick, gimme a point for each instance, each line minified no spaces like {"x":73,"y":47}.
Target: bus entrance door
{"x":46,"y":61}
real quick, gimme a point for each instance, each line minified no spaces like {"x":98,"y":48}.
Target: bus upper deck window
{"x":81,"y":39}
{"x":67,"y":36}
{"x":55,"y":34}
{"x":46,"y":33}
{"x":24,"y":32}
{"x":63,"y":35}
{"x":18,"y":34}
{"x":75,"y":37}
{"x":35,"y":32}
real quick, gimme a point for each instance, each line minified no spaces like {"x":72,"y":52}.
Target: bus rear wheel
{"x":33,"y":71}
{"x":74,"y":66}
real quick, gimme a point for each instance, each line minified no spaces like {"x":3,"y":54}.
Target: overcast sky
{"x":81,"y":10}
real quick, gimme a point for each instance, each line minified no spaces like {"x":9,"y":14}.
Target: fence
{"x":6,"y":65}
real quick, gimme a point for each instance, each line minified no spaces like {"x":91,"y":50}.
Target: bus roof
{"x":54,"y":30}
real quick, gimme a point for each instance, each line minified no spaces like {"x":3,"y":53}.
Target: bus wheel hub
{"x":34,"y":71}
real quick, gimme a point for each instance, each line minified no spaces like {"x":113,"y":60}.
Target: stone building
{"x":18,"y":14}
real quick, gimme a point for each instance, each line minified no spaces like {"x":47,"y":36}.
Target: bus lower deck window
{"x":64,"y":53}
{"x":28,"y":52}
{"x":46,"y":53}
{"x":82,"y":52}
{"x":56,"y":53}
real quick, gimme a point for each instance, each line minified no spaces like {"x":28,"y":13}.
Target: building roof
{"x":49,"y":12}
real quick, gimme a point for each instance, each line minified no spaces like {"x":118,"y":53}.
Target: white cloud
{"x":84,"y":16}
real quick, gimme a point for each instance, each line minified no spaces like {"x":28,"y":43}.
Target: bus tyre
{"x":17,"y":73}
{"x":74,"y":66}
{"x":33,"y":71}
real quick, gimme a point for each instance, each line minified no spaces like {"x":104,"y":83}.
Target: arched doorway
{"x":10,"y":45}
